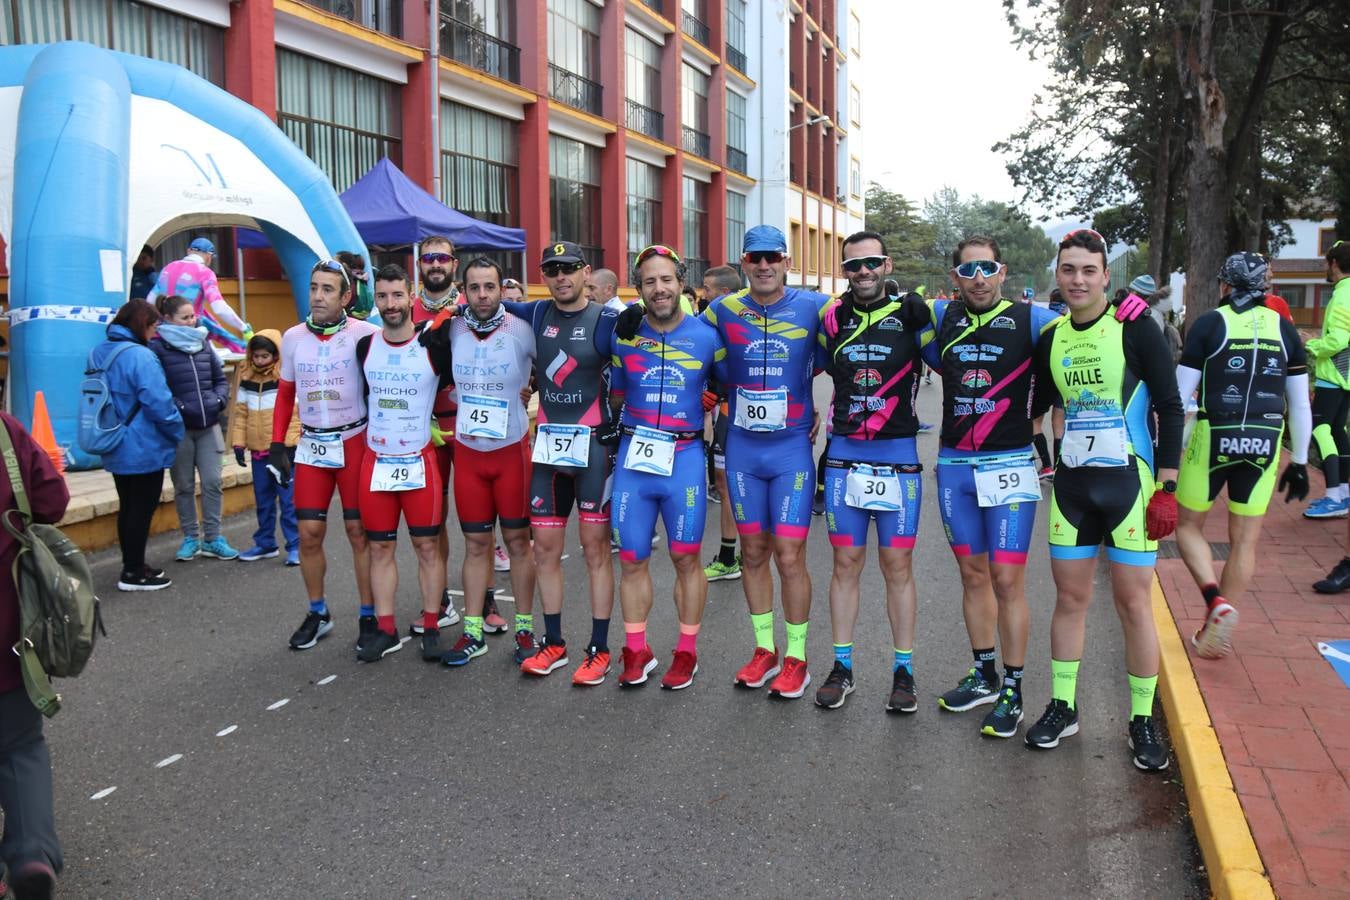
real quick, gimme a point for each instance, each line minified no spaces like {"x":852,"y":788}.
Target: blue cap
{"x":1144,"y":286}
{"x":764,"y":239}
{"x":202,"y":244}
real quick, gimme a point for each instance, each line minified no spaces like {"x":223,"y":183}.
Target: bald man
{"x":603,"y":287}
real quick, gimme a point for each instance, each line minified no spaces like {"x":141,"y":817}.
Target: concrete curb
{"x":1235,"y":868}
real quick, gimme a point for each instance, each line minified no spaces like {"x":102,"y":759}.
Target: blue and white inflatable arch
{"x":102,"y":152}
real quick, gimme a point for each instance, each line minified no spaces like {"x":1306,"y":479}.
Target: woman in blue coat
{"x":138,"y":389}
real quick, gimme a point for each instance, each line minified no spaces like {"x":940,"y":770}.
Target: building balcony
{"x":813,"y":181}
{"x":736,"y":59}
{"x":695,"y":269}
{"x":479,"y":50}
{"x":385,"y":16}
{"x":656,"y":6}
{"x":695,"y":142}
{"x":645,"y":119}
{"x":795,"y":174}
{"x":568,"y":87}
{"x":695,"y":27}
{"x":738,"y":161}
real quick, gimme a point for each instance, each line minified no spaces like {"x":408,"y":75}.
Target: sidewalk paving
{"x":1281,"y":714}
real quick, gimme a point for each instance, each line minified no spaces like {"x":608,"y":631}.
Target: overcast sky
{"x":941,"y":83}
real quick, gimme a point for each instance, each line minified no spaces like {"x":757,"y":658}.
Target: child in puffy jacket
{"x":251,"y":432}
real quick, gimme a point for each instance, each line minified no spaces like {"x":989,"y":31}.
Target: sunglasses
{"x":656,"y":250}
{"x":986,"y":267}
{"x":856,"y":264}
{"x":432,"y":259}
{"x":510,"y":283}
{"x":764,"y":256}
{"x":554,"y":269}
{"x":334,"y":266}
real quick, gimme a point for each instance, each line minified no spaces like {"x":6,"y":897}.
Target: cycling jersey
{"x":874,"y":361}
{"x":490,"y":370}
{"x":661,"y":376}
{"x":1332,"y":350}
{"x":193,"y":280}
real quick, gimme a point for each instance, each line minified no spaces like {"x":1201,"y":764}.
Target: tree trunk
{"x":1208,"y":192}
{"x":1162,"y":186}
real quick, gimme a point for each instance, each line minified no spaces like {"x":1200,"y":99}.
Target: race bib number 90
{"x":323,"y":451}
{"x":1095,"y":441}
{"x":872,"y":487}
{"x":398,"y":473}
{"x":563,"y":445}
{"x":761,"y":410}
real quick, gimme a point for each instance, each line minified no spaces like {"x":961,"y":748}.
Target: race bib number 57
{"x":563,"y":445}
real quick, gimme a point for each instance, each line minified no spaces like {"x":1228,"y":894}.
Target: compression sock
{"x":727,"y":555}
{"x":524,"y":622}
{"x":600,"y":633}
{"x":431,"y":621}
{"x":635,"y":636}
{"x":1012,"y":679}
{"x":820,"y":474}
{"x":1211,"y":594}
{"x":386,"y":624}
{"x":1042,"y":450}
{"x":984,"y":661}
{"x":763,"y":625}
{"x":1141,"y":694}
{"x":320,"y":606}
{"x":473,"y":627}
{"x":1063,"y":679}
{"x":367,"y":609}
{"x":1059,"y":444}
{"x":688,"y":642}
{"x":796,"y":639}
{"x":843,"y":654}
{"x":553,"y":628}
{"x":904,"y":659}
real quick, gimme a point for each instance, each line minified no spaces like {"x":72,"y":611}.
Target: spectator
{"x":30,"y":847}
{"x":603,"y":287}
{"x":251,"y":432}
{"x":197,"y":380}
{"x":1275,"y":301}
{"x":513,"y":290}
{"x":191,"y":277}
{"x":143,"y":274}
{"x":141,"y":398}
{"x":363,"y":295}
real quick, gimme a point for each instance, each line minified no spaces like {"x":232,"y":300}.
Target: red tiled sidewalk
{"x":1282,"y":716}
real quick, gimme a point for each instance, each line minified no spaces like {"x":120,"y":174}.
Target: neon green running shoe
{"x":720,"y":571}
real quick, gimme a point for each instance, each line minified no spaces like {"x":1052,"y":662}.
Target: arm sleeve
{"x":604,"y":331}
{"x":158,"y":290}
{"x":220,"y":385}
{"x":1296,"y":356}
{"x":618,"y":378}
{"x":929,"y":348}
{"x":281,"y":413}
{"x":1300,"y":416}
{"x":211,"y":290}
{"x":1203,"y":340}
{"x":1043,"y":386}
{"x":520,"y":310}
{"x":47,"y":491}
{"x":1147,"y":356}
{"x":153,"y":394}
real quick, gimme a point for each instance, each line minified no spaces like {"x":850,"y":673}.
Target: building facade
{"x":1299,"y":271}
{"x":614,"y":123}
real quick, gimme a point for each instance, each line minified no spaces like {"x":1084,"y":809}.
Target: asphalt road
{"x":406,"y":779}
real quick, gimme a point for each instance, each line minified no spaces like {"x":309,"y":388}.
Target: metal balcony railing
{"x":645,"y":119}
{"x":463,"y":43}
{"x":655,"y":6}
{"x":737,"y":160}
{"x":695,"y":27}
{"x":736,"y":59}
{"x":695,"y":268}
{"x":379,"y":15}
{"x":568,"y":87}
{"x":696,"y":142}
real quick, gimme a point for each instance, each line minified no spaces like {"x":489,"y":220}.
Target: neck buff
{"x":486,"y":325}
{"x":451,"y":296}
{"x":187,"y":338}
{"x":326,"y":330}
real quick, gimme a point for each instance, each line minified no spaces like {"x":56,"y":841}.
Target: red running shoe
{"x":761,"y":667}
{"x":1215,"y":637}
{"x":792,"y":681}
{"x":547,"y":658}
{"x":682,"y":670}
{"x":637,"y":665}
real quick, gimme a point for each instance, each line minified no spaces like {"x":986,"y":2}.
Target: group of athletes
{"x":435,"y":398}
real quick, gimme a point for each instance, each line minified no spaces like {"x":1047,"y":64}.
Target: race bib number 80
{"x":761,"y":410}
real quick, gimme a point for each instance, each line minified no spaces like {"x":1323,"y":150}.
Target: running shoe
{"x":637,"y":665}
{"x":32,"y":881}
{"x":431,"y":645}
{"x":818,"y":504}
{"x":1047,"y":473}
{"x":594,"y":669}
{"x":837,"y":687}
{"x":500,"y":561}
{"x":1337,"y":580}
{"x":366,"y":626}
{"x":314,"y":627}
{"x":1215,"y":637}
{"x":973,"y":691}
{"x":613,"y":545}
{"x":902,"y":699}
{"x":217,"y":548}
{"x":493,"y":623}
{"x":448,"y":616}
{"x":792,"y":682}
{"x":526,"y":646}
{"x":1058,"y":721}
{"x":547,"y":658}
{"x":465,"y":649}
{"x":720,"y":571}
{"x":1327,"y":508}
{"x":152,"y":572}
{"x":188,"y":550}
{"x":682,"y":670}
{"x":925,"y":427}
{"x":378,"y":646}
{"x":142,"y":581}
{"x":1149,"y":752}
{"x":1003,"y":719}
{"x":762,"y":666}
{"x":714,"y":495}
{"x":255,"y":553}
{"x":292,"y":558}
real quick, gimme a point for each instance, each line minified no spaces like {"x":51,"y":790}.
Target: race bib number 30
{"x":1005,"y":482}
{"x":872,"y":487}
{"x":650,"y":450}
{"x":563,"y":445}
{"x":398,"y":473}
{"x":1095,"y":441}
{"x":323,"y":451}
{"x":761,"y":410}
{"x":481,"y":417}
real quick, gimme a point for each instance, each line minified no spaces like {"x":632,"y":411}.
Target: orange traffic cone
{"x":43,"y":434}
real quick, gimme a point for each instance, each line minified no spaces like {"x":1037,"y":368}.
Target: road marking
{"x":224,"y":731}
{"x":99,"y":795}
{"x":168,"y":760}
{"x":279,"y":704}
{"x":566,"y":555}
{"x":507,"y":597}
{"x":405,"y":639}
{"x":456,"y":593}
{"x":323,"y":681}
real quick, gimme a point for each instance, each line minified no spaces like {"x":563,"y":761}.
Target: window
{"x":118,"y":25}
{"x":735,"y":225}
{"x":481,"y":34}
{"x":795,"y":244}
{"x":574,"y":49}
{"x":346,"y":121}
{"x":736,"y":158}
{"x":642,"y":68}
{"x":1296,"y":295}
{"x":574,"y":183}
{"x":812,"y":251}
{"x":854,"y":34}
{"x":694,"y":20}
{"x":694,"y":112}
{"x":854,"y":104}
{"x":855,"y":177}
{"x":1325,"y":238}
{"x":479,"y":174}
{"x":695,"y":220}
{"x":736,"y":35}
{"x":644,"y":207}
{"x":1323,"y":295}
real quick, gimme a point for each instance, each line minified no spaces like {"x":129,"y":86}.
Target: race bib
{"x":398,"y":473}
{"x":1005,"y":482}
{"x":481,"y":417}
{"x":761,"y":410}
{"x":563,"y":445}
{"x":650,"y":450}
{"x":323,"y":451}
{"x":1095,"y":441}
{"x":872,"y":487}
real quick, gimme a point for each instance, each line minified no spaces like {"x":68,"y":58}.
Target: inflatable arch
{"x":102,"y":152}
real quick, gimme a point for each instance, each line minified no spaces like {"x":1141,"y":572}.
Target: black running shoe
{"x":1003,"y":719}
{"x":526,"y":645}
{"x":1149,"y":752}
{"x":449,"y":616}
{"x":465,"y":649}
{"x":314,"y":627}
{"x":431,"y":645}
{"x":378,"y":646}
{"x":1058,"y":721}
{"x":1338,"y":580}
{"x":143,"y":580}
{"x":818,"y":504}
{"x":903,"y":698}
{"x":973,"y":691}
{"x":835,"y":690}
{"x":366,"y":627}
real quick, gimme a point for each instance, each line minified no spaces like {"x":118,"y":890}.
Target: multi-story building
{"x":1299,"y":271}
{"x":614,"y":123}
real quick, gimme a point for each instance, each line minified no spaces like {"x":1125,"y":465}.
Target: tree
{"x":908,"y":238}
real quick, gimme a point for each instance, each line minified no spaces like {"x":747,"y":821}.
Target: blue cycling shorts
{"x":1003,"y":532}
{"x":771,"y":479}
{"x":848,"y":525}
{"x":681,"y":499}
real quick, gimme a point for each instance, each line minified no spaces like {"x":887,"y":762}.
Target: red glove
{"x":1131,"y":308}
{"x":709,"y":401}
{"x":1161,"y":515}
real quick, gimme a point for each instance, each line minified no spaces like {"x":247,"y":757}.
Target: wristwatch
{"x":1169,"y":486}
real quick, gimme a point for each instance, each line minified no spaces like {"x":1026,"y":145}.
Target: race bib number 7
{"x":563,"y":445}
{"x":323,"y":451}
{"x":1095,"y":441}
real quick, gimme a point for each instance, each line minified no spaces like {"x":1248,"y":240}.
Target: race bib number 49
{"x":761,"y":410}
{"x":1095,"y":441}
{"x":563,"y":445}
{"x":323,"y":451}
{"x":398,"y":473}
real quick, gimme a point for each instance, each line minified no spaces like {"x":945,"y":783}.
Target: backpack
{"x":100,"y":431}
{"x":58,"y":610}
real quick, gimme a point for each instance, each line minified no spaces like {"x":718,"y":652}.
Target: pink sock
{"x":688,"y":642}
{"x":635,"y":636}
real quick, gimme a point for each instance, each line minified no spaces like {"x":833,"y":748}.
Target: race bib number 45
{"x":563,"y":445}
{"x":481,"y":417}
{"x":761,"y":410}
{"x":323,"y":451}
{"x":1095,"y":441}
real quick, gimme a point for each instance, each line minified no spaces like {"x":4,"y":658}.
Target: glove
{"x":239,"y":456}
{"x":608,"y":435}
{"x":1294,"y":482}
{"x":626,"y":328}
{"x":709,"y":401}
{"x":914,"y":313}
{"x":436,"y":335}
{"x":248,"y":332}
{"x":440,"y":438}
{"x":1131,"y":308}
{"x":1161,"y":515}
{"x":279,"y":461}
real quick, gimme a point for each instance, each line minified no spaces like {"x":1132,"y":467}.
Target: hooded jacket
{"x":197,"y":381}
{"x":254,"y":400}
{"x":153,"y":434}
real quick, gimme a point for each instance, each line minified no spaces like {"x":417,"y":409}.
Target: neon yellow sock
{"x":473,"y":627}
{"x":763,"y":625}
{"x":1141,"y":694}
{"x":1064,"y":679}
{"x":524,"y":622}
{"x":796,"y":639}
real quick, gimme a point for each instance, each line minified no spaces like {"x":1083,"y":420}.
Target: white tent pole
{"x":239,"y":271}
{"x":417,"y":270}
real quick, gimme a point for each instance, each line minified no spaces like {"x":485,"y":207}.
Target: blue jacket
{"x":197,"y":381}
{"x":153,"y":435}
